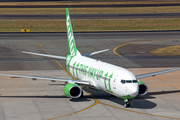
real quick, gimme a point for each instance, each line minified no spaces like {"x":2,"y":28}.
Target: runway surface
{"x":27,"y":99}
{"x":89,"y":16}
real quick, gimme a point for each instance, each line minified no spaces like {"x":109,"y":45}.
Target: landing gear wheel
{"x":82,"y":95}
{"x":127,"y":104}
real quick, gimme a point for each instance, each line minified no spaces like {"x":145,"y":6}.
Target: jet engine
{"x":72,"y":90}
{"x":143,"y":89}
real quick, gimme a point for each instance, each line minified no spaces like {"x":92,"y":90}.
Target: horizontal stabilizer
{"x":46,"y":55}
{"x":96,"y":52}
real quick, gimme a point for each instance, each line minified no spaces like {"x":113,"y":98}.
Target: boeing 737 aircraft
{"x":96,"y":74}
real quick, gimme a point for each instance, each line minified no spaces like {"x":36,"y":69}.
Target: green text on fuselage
{"x":87,"y":71}
{"x":91,"y":72}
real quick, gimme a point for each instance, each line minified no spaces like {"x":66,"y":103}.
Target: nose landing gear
{"x":127,"y":103}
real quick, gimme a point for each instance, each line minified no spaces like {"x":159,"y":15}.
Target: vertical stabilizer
{"x":72,"y":50}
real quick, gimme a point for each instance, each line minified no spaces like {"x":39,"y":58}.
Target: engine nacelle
{"x":143,"y":89}
{"x":72,"y":90}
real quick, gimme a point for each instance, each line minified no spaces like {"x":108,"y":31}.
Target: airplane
{"x":95,"y":74}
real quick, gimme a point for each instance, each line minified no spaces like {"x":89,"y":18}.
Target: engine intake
{"x":143,"y":89}
{"x":72,"y":90}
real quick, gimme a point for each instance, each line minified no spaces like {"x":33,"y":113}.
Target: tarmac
{"x":22,"y":98}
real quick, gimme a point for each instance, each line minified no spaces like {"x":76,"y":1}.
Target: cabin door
{"x":114,"y":81}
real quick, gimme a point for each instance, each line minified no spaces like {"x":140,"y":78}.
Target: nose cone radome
{"x":133,"y":90}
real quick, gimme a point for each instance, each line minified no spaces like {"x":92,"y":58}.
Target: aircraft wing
{"x":49,"y":78}
{"x":155,"y":73}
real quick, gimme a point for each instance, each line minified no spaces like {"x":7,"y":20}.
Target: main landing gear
{"x":127,"y":103}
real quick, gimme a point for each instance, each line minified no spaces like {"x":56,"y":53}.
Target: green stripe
{"x":127,"y":97}
{"x":109,"y":84}
{"x":109,"y":91}
{"x":68,"y":60}
{"x":105,"y":80}
{"x":110,"y":81}
{"x":73,"y":69}
{"x":77,"y":70}
{"x":105,"y":83}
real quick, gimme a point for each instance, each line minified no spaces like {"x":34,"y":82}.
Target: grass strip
{"x":90,"y":25}
{"x":168,"y":9}
{"x":167,"y":51}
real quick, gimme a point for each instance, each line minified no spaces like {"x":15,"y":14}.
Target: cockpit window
{"x":128,"y":81}
{"x":122,"y":81}
{"x":135,"y":81}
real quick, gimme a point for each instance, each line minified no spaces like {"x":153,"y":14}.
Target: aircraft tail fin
{"x":72,"y":50}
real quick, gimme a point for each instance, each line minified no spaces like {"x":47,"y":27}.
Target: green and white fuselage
{"x":103,"y":76}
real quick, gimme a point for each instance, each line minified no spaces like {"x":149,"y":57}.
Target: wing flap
{"x":155,"y":73}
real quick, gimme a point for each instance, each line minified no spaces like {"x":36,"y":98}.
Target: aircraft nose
{"x":133,"y":91}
